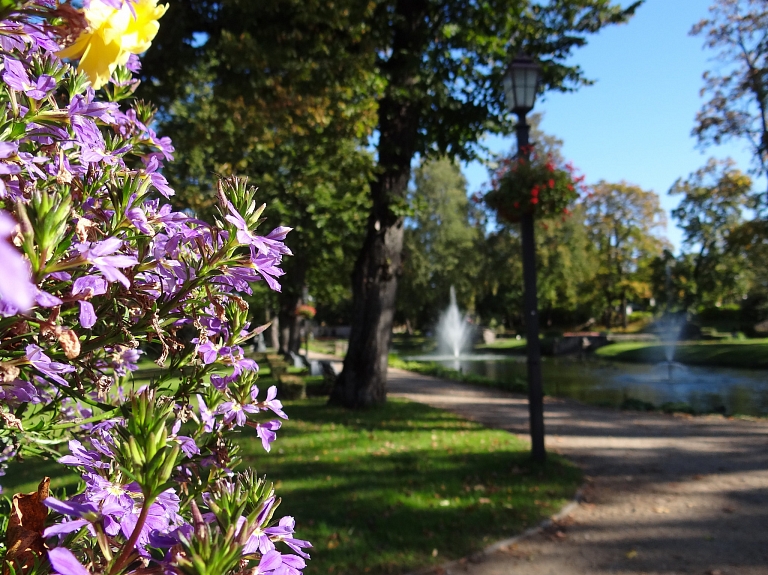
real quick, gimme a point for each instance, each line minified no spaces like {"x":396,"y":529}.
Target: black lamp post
{"x":521,"y":83}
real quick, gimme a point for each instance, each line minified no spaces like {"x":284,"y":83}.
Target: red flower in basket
{"x":540,"y":186}
{"x":306,"y":311}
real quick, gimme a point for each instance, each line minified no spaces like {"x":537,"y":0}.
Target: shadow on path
{"x":665,"y":494}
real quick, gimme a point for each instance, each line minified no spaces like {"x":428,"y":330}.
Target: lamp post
{"x":521,"y":83}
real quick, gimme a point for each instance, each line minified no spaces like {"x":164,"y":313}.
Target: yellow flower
{"x":112,"y":36}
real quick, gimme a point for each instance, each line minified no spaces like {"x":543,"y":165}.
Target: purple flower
{"x":81,"y":457}
{"x":258,"y":540}
{"x":65,"y":563}
{"x":270,"y":402}
{"x":267,"y":267}
{"x":164,"y":144}
{"x":274,"y":562}
{"x":16,"y":287}
{"x":163,"y":514}
{"x":235,"y":356}
{"x":209,"y":351}
{"x":12,"y":393}
{"x":264,"y":245}
{"x":206,"y":415}
{"x":83,"y":105}
{"x":283,"y":531}
{"x":157,"y":179}
{"x":8,"y":150}
{"x":87,"y":287}
{"x":266,"y":432}
{"x":125,"y":359}
{"x":44,"y":299}
{"x":221,"y":382}
{"x":99,"y":255}
{"x":235,"y":411}
{"x":92,"y":143}
{"x":16,"y":76}
{"x":139,"y":220}
{"x":188,"y":445}
{"x":43,"y":364}
{"x":133,"y":64}
{"x":85,"y":513}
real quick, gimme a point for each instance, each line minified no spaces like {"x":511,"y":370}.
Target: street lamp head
{"x":521,"y":82}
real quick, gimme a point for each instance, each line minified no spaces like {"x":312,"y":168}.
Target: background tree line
{"x":328,"y":105}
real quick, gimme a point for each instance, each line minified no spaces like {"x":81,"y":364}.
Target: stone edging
{"x":478,"y":557}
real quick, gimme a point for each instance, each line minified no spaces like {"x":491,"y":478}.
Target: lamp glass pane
{"x":525,"y":86}
{"x":509,"y":91}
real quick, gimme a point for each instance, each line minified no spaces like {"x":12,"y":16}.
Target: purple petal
{"x":65,"y":563}
{"x":65,"y":528}
{"x":87,"y":314}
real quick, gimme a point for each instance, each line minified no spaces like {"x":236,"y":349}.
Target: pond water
{"x":705,"y":389}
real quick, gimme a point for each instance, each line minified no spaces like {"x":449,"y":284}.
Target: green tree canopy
{"x":434,"y":70}
{"x":624,"y":223}
{"x":276,"y":91}
{"x":441,"y":244}
{"x":713,"y":199}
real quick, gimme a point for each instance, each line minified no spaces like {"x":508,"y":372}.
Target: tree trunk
{"x":624,"y":318}
{"x":363,"y":381}
{"x":274,"y":330}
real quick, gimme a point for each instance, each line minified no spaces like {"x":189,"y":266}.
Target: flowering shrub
{"x":532,"y":184}
{"x":306,"y":311}
{"x":98,"y":270}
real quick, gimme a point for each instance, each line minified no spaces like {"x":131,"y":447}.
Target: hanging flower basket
{"x":306,"y":311}
{"x":534,"y":185}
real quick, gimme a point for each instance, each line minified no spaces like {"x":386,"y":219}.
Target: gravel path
{"x":664,"y":494}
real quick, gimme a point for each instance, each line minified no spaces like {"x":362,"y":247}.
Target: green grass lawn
{"x":750,"y":353}
{"x":392,"y":489}
{"x":322,"y":346}
{"x":506,"y":345}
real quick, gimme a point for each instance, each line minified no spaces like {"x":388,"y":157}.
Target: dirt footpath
{"x":664,"y":494}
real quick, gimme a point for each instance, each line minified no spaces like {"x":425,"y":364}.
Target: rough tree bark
{"x":363,"y":381}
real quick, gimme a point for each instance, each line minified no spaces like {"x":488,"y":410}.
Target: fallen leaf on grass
{"x":24,"y":536}
{"x":660,"y":510}
{"x":483,"y":500}
{"x":631,"y":554}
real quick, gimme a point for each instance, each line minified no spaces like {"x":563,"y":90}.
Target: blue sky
{"x":634,"y":123}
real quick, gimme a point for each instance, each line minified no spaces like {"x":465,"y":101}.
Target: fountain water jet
{"x":670,"y":334}
{"x":454,"y":332}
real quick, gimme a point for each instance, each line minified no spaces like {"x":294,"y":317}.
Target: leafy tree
{"x":713,"y":199}
{"x":441,"y":64}
{"x":623,"y":222}
{"x":433,"y":70}
{"x":276,"y":90}
{"x":440,"y":245}
{"x":737,"y":90}
{"x":567,"y":265}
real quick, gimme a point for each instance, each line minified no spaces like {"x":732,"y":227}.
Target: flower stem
{"x":128,"y":548}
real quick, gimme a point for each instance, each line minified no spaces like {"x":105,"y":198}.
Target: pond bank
{"x":743,"y":354}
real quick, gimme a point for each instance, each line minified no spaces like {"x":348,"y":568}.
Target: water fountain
{"x":670,"y":328}
{"x":454,"y":332}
